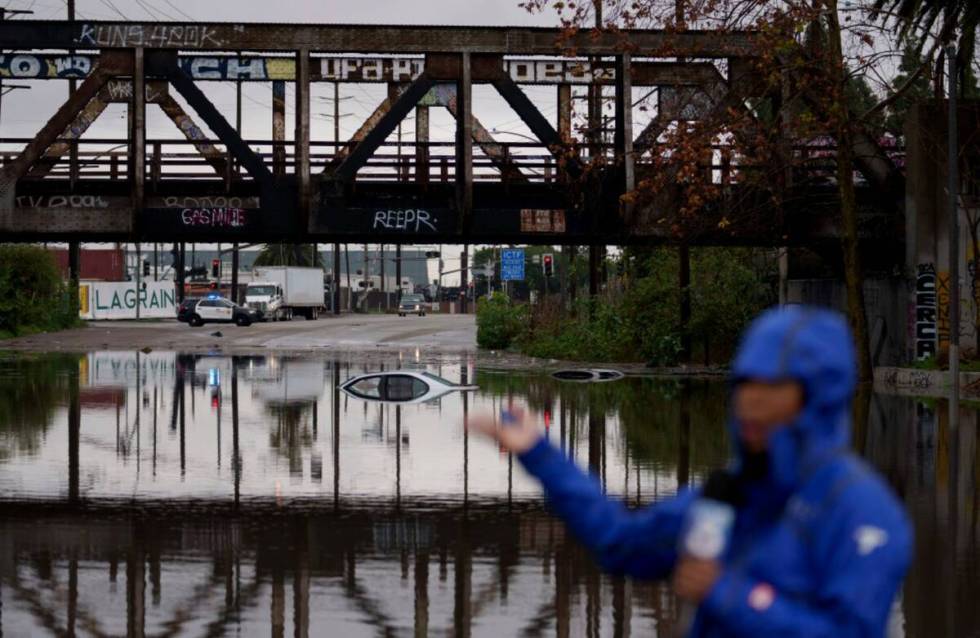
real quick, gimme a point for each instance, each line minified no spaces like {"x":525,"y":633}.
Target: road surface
{"x":444,"y":333}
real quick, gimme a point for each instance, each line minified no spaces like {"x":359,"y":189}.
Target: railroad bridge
{"x":558,"y":186}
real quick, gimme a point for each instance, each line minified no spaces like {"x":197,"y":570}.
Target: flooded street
{"x":209,"y":495}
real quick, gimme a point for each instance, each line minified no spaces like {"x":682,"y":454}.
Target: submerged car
{"x":401,"y":386}
{"x":588,"y":375}
{"x":411,"y":304}
{"x":216,"y":309}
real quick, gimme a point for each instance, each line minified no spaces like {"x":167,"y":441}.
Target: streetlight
{"x":515,"y":133}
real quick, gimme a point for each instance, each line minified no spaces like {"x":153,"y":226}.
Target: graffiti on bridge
{"x":219,"y":201}
{"x":214,"y":217}
{"x":408,"y":220}
{"x":26,"y":66}
{"x":264,"y":69}
{"x":925,"y":311}
{"x":136,"y":35}
{"x":60,"y":201}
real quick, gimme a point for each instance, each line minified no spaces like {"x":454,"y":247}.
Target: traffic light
{"x":548,"y":262}
{"x":215,"y":268}
{"x":146,"y":268}
{"x":213,"y":285}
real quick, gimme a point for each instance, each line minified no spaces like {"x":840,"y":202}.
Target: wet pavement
{"x":210,"y":495}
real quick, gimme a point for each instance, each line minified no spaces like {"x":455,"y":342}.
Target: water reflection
{"x":214,"y":495}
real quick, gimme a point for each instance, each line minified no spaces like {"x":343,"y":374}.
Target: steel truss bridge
{"x":557,"y":187}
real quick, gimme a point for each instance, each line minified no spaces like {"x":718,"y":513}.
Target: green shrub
{"x":640,"y":319}
{"x":32,"y":295}
{"x":499,"y":321}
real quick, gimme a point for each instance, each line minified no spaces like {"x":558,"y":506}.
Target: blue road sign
{"x":512,"y":264}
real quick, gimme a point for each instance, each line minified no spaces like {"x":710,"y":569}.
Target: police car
{"x":217,"y":309}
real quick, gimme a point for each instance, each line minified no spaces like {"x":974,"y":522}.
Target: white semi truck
{"x":283,"y":291}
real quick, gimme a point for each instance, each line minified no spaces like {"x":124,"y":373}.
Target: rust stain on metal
{"x":541,"y":220}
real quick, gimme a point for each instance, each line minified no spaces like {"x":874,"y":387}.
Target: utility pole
{"x":367,"y":277}
{"x":139,"y":279}
{"x":398,"y":273}
{"x":382,"y":260}
{"x":350,"y":290}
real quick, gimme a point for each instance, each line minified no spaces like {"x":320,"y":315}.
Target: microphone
{"x":707,"y":529}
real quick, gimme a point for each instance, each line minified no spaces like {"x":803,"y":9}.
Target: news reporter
{"x":819,"y":545}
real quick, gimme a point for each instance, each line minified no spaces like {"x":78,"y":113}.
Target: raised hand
{"x":516,"y":432}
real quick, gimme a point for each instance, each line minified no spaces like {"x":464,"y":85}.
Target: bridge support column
{"x":336,"y":279}
{"x":234,"y":272}
{"x":74,"y":268}
{"x":179,"y":250}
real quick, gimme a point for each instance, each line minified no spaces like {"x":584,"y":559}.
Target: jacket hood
{"x":813,"y":347}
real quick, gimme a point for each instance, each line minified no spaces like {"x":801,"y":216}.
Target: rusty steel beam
{"x":279,"y":128}
{"x":75,"y":130}
{"x":165,"y":63}
{"x":192,"y":132}
{"x":346,"y":38}
{"x":108,"y":66}
{"x":302,"y":135}
{"x":384,"y":127}
{"x":120,"y":91}
{"x":137,"y":132}
{"x":535,"y":121}
{"x":464,"y":145}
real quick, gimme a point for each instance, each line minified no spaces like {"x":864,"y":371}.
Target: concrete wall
{"x":885,"y":301}
{"x":927,"y":229}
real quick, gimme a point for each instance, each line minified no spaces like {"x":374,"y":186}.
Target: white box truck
{"x":283,"y":291}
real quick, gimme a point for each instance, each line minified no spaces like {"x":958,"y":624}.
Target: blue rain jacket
{"x":820,"y":544}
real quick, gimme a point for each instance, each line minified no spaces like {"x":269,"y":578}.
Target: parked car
{"x":401,"y":386}
{"x":411,"y":304}
{"x":214,"y":309}
{"x":186,"y":308}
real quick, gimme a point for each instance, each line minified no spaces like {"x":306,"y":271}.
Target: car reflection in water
{"x":402,"y":387}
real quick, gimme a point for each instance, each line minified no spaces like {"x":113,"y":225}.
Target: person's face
{"x":761,"y":408}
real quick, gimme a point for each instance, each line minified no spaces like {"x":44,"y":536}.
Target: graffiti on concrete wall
{"x":942,"y":311}
{"x":925,"y":311}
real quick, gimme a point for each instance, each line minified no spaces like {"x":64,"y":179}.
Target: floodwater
{"x":162,"y":494}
